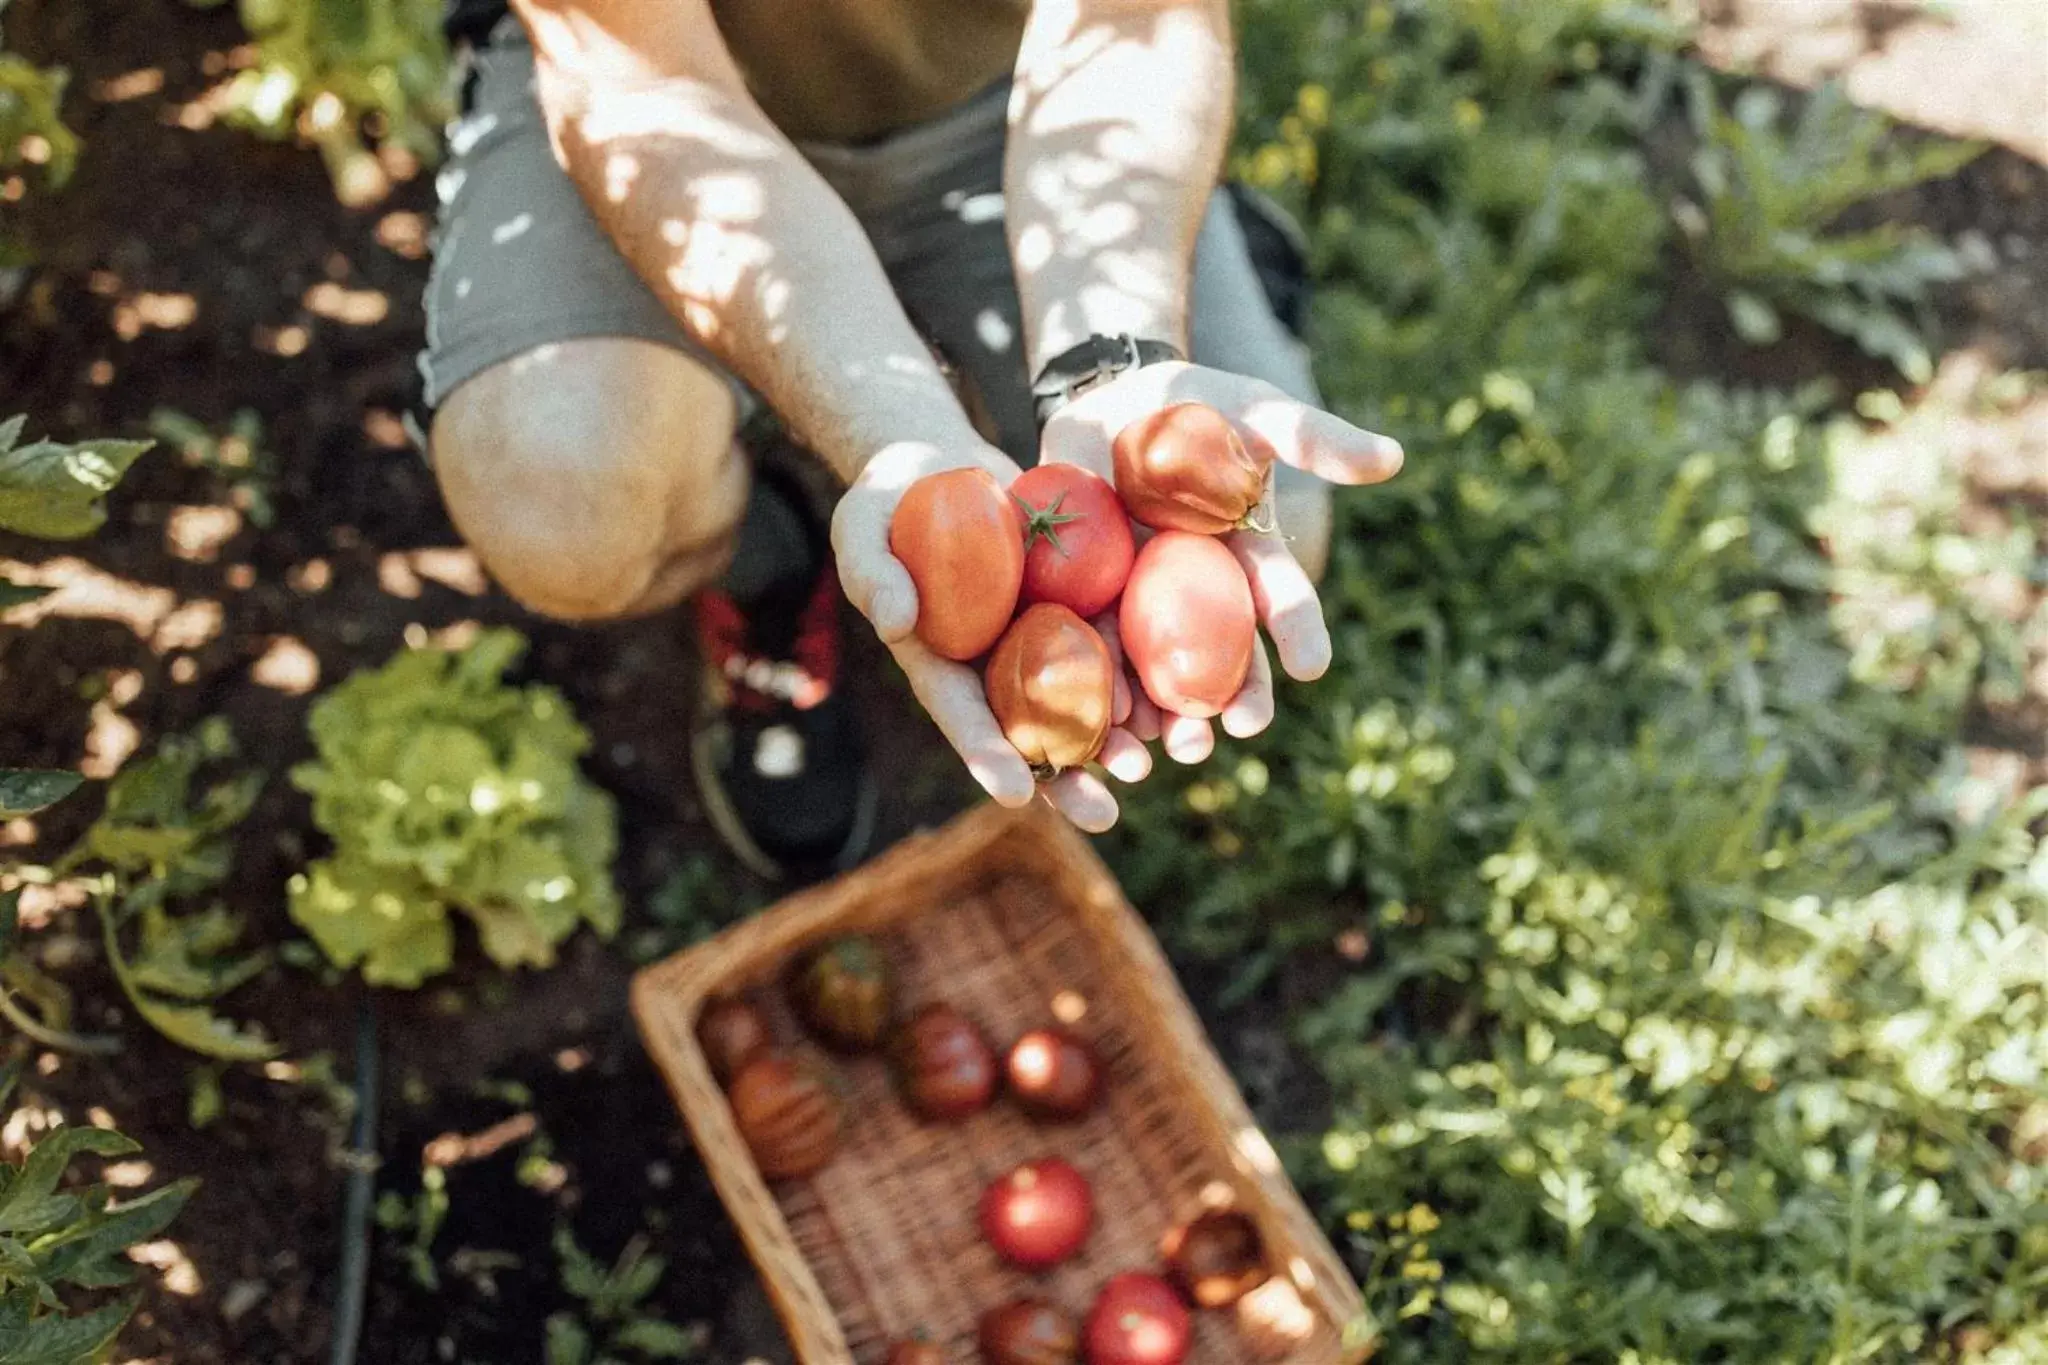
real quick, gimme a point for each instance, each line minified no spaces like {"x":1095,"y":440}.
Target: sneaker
{"x":777,"y":750}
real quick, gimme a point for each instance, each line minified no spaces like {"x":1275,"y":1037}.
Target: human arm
{"x":1120,"y":115}
{"x":768,"y":270}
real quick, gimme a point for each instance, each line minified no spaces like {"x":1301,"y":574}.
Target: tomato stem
{"x":1045,"y":521}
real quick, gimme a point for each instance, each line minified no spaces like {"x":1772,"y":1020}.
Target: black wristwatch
{"x":1095,"y":361}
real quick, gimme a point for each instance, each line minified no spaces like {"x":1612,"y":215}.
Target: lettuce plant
{"x":444,"y":788}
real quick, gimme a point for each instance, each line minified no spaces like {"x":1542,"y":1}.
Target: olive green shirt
{"x":851,"y":71}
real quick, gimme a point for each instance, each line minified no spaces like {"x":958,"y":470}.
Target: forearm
{"x":1119,"y":119}
{"x":756,"y":256}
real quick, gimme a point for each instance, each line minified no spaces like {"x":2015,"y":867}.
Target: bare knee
{"x":594,"y":478}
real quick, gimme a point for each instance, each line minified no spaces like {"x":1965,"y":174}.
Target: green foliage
{"x":1768,"y":201}
{"x":419,"y":1219}
{"x":341,"y":74}
{"x":1676,"y":1015}
{"x":237,"y":456}
{"x":32,"y":131}
{"x":55,"y":1237}
{"x":56,"y":492}
{"x":445,"y":788}
{"x":160,"y":842}
{"x":614,"y":1325}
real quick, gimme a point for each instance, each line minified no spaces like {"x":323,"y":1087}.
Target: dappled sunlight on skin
{"x":1107,"y":172}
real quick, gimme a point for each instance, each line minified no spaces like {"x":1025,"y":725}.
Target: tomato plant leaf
{"x":658,"y":1340}
{"x":85,"y":1253}
{"x":56,"y":491}
{"x":28,"y":1339}
{"x":27,"y":1205}
{"x":24,"y":791}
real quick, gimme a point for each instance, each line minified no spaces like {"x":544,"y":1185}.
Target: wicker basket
{"x":1012,"y":918}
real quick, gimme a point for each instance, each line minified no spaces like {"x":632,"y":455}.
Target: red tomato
{"x":945,"y":1068}
{"x":1189,"y":468}
{"x":1077,"y":538}
{"x":962,"y":540}
{"x":1187,"y":623}
{"x":1039,"y":1214}
{"x":1050,"y":685}
{"x":1137,"y":1320}
{"x":1053,"y":1074}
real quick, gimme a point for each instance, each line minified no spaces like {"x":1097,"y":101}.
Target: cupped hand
{"x":951,"y":693}
{"x":1301,"y":435}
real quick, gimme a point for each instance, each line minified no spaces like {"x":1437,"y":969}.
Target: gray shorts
{"x":520,"y":263}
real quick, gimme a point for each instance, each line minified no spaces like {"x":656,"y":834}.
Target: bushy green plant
{"x":614,"y":1324}
{"x":33,"y":137}
{"x":158,"y":844}
{"x":1668,"y":1011}
{"x":343,"y":75}
{"x":55,"y":492}
{"x":444,"y":788}
{"x":237,"y":456}
{"x":54,"y":1238}
{"x":1765,"y":229}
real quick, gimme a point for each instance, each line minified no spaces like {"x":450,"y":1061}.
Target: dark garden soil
{"x":199,"y":269}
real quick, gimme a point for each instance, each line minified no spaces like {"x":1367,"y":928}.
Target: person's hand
{"x":1304,"y":437}
{"x":880,"y":587}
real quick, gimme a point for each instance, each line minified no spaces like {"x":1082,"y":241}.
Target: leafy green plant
{"x":614,"y":1325}
{"x":1666,"y":1008}
{"x":157,"y":844}
{"x":341,"y":75}
{"x":446,"y":789}
{"x":418,"y":1220}
{"x":54,"y":1238}
{"x":237,"y":456}
{"x":55,"y":492}
{"x":1765,"y":222}
{"x":33,"y":137}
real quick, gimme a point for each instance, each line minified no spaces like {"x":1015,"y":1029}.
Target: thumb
{"x":875,"y":581}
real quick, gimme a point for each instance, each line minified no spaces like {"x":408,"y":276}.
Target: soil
{"x":200,"y":269}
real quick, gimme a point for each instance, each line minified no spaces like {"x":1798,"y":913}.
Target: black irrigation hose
{"x":354,"y":1278}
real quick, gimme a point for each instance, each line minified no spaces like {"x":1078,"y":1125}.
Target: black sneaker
{"x":777,"y":749}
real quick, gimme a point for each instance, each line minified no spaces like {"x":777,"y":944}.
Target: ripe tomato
{"x":962,"y":540}
{"x":1187,"y":623}
{"x":1189,"y":468}
{"x":1028,"y":1332}
{"x":1137,"y":1320}
{"x":944,"y":1066}
{"x":1077,"y":538}
{"x":916,"y":1351}
{"x":732,"y":1033}
{"x":1053,"y":1074}
{"x":1039,"y":1214}
{"x":788,"y":1115}
{"x":843,"y":993}
{"x":1216,"y":1258}
{"x":1050,"y":684}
